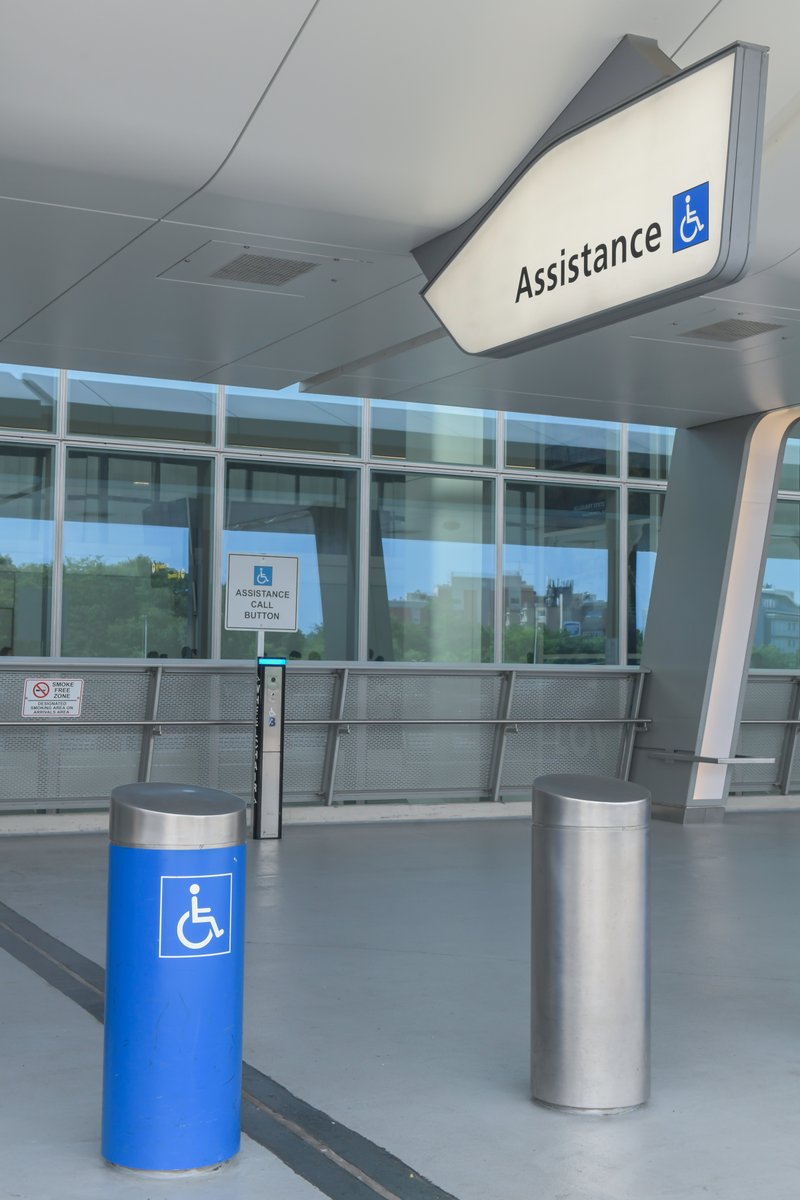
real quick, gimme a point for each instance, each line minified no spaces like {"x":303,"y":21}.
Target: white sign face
{"x":52,"y":697}
{"x":629,"y":207}
{"x":262,"y":592}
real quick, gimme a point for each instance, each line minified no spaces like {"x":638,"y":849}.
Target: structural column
{"x":706,"y":590}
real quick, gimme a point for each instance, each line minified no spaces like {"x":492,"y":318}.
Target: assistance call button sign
{"x":261,"y":592}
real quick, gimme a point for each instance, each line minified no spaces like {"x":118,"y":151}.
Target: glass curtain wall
{"x":26,"y":549}
{"x":28,"y":398}
{"x":536,"y":443}
{"x":776,"y":642}
{"x":429,"y":433}
{"x":287,"y":420}
{"x":645,"y":510}
{"x":145,"y":533}
{"x":136,"y":556}
{"x":560,"y":574}
{"x":117,"y":406}
{"x":310,"y":513}
{"x":431,"y":568}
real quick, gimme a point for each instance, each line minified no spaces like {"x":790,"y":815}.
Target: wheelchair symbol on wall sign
{"x":691,"y":225}
{"x":690,"y":217}
{"x":196,"y":917}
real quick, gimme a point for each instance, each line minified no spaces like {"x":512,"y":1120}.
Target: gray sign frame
{"x":739,"y":210}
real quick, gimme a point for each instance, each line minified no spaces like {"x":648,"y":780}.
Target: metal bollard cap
{"x":175,"y":816}
{"x":589,"y":802}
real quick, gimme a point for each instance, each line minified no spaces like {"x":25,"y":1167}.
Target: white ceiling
{"x":143,"y":144}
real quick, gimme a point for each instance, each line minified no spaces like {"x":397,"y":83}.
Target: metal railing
{"x":357,"y":733}
{"x":770,"y":725}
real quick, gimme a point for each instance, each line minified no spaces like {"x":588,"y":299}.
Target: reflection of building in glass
{"x":778,"y":621}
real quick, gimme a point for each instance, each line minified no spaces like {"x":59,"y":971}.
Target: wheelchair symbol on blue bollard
{"x":189,"y":928}
{"x":690,"y":217}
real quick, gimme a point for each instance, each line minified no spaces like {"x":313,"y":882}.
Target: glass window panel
{"x":28,"y":398}
{"x":649,"y":451}
{"x":124,"y":406}
{"x":136,"y":556}
{"x":560,"y":444}
{"x":431,"y":586}
{"x":777,"y":636}
{"x":310,"y":513}
{"x":560,"y":574}
{"x":431,"y":433}
{"x":790,"y":471}
{"x":645,"y":510}
{"x":26,"y":549}
{"x":288,"y":420}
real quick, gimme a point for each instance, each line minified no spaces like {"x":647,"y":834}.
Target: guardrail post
{"x":149,"y":732}
{"x":786,"y":767}
{"x":335,"y":732}
{"x":628,"y":739}
{"x":500,"y":734}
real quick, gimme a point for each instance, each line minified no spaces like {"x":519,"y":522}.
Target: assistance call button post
{"x":268,"y":779}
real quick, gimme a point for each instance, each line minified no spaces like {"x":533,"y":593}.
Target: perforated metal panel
{"x":44,"y":766}
{"x":547,"y":749}
{"x":309,"y":694}
{"x":41,"y":766}
{"x":207,"y":695}
{"x":303,"y":760}
{"x":392,"y":696}
{"x":571,"y":696}
{"x":767,"y":697}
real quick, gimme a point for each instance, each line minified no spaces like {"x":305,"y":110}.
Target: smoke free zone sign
{"x":262,"y":592}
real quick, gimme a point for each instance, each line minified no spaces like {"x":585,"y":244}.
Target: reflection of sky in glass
{"x":421,"y":565}
{"x":645,"y":566}
{"x":298,"y":545}
{"x":25,"y":541}
{"x":783,"y":574}
{"x":586,"y":567}
{"x":118,"y":543}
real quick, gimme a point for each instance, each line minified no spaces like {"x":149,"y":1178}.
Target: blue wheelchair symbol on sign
{"x":195,"y":917}
{"x":690,"y":217}
{"x":262,"y":576}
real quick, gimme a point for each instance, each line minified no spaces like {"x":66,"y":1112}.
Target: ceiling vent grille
{"x":262,"y":269}
{"x":732,"y":330}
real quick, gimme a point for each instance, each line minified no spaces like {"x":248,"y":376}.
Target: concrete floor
{"x":387,"y":984}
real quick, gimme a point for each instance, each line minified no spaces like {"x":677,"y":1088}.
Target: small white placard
{"x":262,"y":592}
{"x":52,"y":697}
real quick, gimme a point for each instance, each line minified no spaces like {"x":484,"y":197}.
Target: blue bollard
{"x":172,"y":1072}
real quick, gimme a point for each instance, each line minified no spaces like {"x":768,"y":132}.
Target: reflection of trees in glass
{"x":770,"y":657}
{"x":551,"y":646}
{"x":126,"y":609}
{"x":24,"y":606}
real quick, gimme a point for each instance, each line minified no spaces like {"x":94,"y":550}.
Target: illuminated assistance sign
{"x":646,"y":206}
{"x":52,"y":697}
{"x":262,"y":592}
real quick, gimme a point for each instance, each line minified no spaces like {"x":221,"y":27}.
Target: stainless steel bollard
{"x":590,"y":961}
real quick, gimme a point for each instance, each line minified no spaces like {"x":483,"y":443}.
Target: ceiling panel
{"x":44,"y":249}
{"x":147,"y":90}
{"x":395,"y":315}
{"x":90,"y":358}
{"x":416,"y":112}
{"x":382,"y":126}
{"x":130,"y":305}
